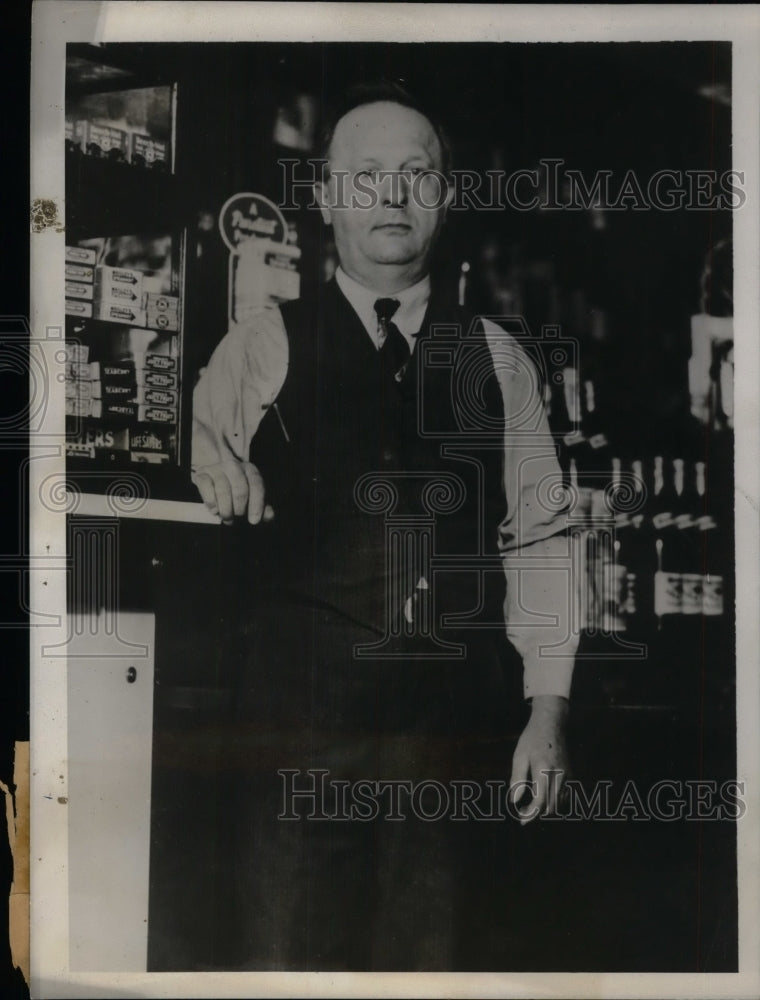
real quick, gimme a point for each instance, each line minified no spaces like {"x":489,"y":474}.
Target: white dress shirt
{"x":408,"y":317}
{"x":245,"y":374}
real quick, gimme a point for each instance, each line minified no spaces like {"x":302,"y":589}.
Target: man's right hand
{"x":232,"y":489}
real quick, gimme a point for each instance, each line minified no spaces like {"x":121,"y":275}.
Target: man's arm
{"x":538,"y":608}
{"x":243,"y":377}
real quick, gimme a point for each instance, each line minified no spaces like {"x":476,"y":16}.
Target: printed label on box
{"x":78,"y":272}
{"x":161,"y":362}
{"x":123,"y":370}
{"x":76,"y":353}
{"x":113,"y":313}
{"x":158,"y":397}
{"x":78,"y":307}
{"x":156,"y":415}
{"x":78,"y":290}
{"x":157,"y":302}
{"x":106,"y":140}
{"x":147,"y":152}
{"x":162,"y":321}
{"x":80,"y":255}
{"x":118,"y":294}
{"x":158,"y":380}
{"x":153,"y":440}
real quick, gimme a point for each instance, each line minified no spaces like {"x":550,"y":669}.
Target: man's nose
{"x":394,"y":190}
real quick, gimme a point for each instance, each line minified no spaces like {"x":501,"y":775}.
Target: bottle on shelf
{"x":686,"y":522}
{"x":711,"y":552}
{"x":639,"y":606}
{"x":667,"y":577}
{"x":614,"y":551}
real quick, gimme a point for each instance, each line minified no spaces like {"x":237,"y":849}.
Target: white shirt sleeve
{"x":533,"y":539}
{"x":242,"y":378}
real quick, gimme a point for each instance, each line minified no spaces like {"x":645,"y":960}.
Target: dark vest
{"x":357,"y":464}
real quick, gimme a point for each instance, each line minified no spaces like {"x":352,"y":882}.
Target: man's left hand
{"x":540,"y":762}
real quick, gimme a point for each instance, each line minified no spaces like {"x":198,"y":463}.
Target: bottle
{"x":592,"y":428}
{"x":667,"y":577}
{"x":615,"y":551}
{"x":710,"y":552}
{"x":463,"y":283}
{"x":640,"y":563}
{"x":686,"y":522}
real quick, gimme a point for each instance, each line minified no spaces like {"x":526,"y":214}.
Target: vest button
{"x":389,"y":455}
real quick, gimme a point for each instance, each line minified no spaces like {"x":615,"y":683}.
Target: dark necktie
{"x":394,"y":351}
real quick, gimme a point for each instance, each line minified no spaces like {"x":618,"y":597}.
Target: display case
{"x":126,"y":275}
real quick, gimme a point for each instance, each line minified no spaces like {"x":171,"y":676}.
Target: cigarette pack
{"x":80,"y":255}
{"x":78,"y":390}
{"x":77,"y":406}
{"x":157,"y":397}
{"x":79,"y":272}
{"x":116,"y":371}
{"x":113,"y":312}
{"x":106,"y":140}
{"x":160,"y":362}
{"x":168,"y":322}
{"x":147,"y":152}
{"x":78,"y":307}
{"x":116,"y":391}
{"x":78,"y":290}
{"x":76,"y":353}
{"x":118,"y":277}
{"x":156,"y":415}
{"x":158,"y":380}
{"x":126,"y":411}
{"x":157,"y":302}
{"x":80,"y":370}
{"x":120,"y":294}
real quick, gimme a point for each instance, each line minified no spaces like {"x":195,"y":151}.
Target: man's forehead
{"x":383,"y":125}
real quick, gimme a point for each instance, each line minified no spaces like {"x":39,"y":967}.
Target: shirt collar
{"x":409,"y":315}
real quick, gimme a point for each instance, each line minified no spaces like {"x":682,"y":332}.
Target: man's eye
{"x":370,"y":175}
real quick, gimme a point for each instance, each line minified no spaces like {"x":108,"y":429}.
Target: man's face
{"x":378,"y":191}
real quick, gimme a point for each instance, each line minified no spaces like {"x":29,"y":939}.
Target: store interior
{"x":621,"y":279}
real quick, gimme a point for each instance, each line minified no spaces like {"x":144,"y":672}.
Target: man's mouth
{"x":393,"y":227}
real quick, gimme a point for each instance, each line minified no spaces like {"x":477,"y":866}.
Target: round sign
{"x":249,"y":216}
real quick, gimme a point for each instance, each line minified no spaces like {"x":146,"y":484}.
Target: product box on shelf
{"x":76,"y":353}
{"x":78,"y":307}
{"x":157,"y":302}
{"x":78,"y":290}
{"x":157,"y":380}
{"x":78,"y":272}
{"x":113,"y":371}
{"x":113,"y":312}
{"x":106,"y":141}
{"x":167,"y":322}
{"x":148,"y":152}
{"x":80,"y":255}
{"x":160,"y":363}
{"x":74,"y":133}
{"x":109,"y":278}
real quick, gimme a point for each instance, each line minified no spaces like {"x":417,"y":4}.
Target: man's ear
{"x":322,"y":198}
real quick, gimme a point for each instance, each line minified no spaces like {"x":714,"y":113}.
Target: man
{"x":309,"y":422}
